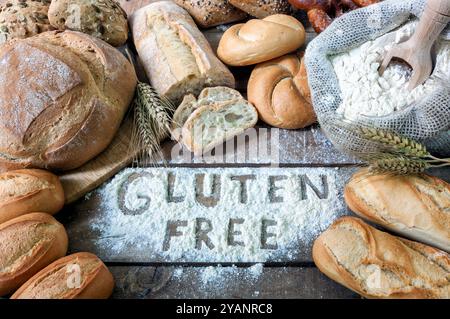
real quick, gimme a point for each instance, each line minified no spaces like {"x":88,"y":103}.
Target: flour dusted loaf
{"x":58,"y":280}
{"x":27,"y":244}
{"x":416,"y":206}
{"x":23,"y":18}
{"x":62,"y":96}
{"x":263,"y":8}
{"x":258,"y":41}
{"x":279,"y":90}
{"x":208,"y":13}
{"x":29,"y":190}
{"x":217,"y":115}
{"x":104,"y":19}
{"x":378,"y":265}
{"x":176,"y":56}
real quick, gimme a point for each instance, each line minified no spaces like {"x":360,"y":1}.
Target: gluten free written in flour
{"x":216,"y":214}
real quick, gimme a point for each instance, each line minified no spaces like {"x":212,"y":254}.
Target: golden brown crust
{"x":261,"y":40}
{"x":78,"y":87}
{"x":415,"y":206}
{"x":378,"y":265}
{"x":77,"y":276}
{"x":29,"y":243}
{"x":209,"y":13}
{"x":276,"y":89}
{"x":263,"y":8}
{"x":29,"y":190}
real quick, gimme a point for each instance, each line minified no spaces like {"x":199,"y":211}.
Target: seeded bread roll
{"x":378,"y":265}
{"x":27,"y":244}
{"x":416,"y":206}
{"x":77,"y":276}
{"x":219,"y":113}
{"x":175,"y":54}
{"x":62,"y":99}
{"x":21,"y":19}
{"x":103,"y":19}
{"x":263,"y":8}
{"x":209,"y":13}
{"x":29,"y":190}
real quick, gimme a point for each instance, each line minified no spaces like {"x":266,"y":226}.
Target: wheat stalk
{"x":398,"y":164}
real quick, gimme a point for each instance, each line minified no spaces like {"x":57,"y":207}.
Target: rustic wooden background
{"x":141,"y":278}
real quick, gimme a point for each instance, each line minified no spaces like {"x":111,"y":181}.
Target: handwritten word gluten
{"x":215,"y":193}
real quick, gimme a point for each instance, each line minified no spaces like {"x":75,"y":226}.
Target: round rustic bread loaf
{"x":279,"y":90}
{"x":62,"y":98}
{"x":29,"y":190}
{"x":23,"y":18}
{"x":104,"y":19}
{"x":28,"y":244}
{"x":59,"y":280}
{"x":262,"y":8}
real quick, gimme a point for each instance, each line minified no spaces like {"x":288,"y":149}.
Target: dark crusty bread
{"x":263,"y":8}
{"x":29,"y":190}
{"x":104,"y":19}
{"x":27,"y":244}
{"x":415,"y":206}
{"x":209,"y":13}
{"x":23,"y":18}
{"x":77,"y":276}
{"x":378,"y":265}
{"x":62,"y":96}
{"x":175,"y":54}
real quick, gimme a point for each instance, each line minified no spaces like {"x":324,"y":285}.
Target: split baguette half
{"x":415,"y":206}
{"x":378,"y":265}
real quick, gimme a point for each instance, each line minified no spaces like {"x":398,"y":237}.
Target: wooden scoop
{"x":417,"y":50}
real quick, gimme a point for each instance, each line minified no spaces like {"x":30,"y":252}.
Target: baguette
{"x":27,"y":244}
{"x":378,"y":265}
{"x":415,"y":206}
{"x":29,"y":190}
{"x":175,"y":54}
{"x":77,"y":276}
{"x":217,"y":115}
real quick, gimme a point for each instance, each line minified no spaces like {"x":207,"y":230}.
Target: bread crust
{"x":413,"y":206}
{"x":262,"y":9}
{"x":163,"y":60}
{"x":261,"y":40}
{"x":375,"y":264}
{"x":29,"y":190}
{"x":44,"y":240}
{"x":276,"y":88}
{"x":209,"y":13}
{"x":79,"y":89}
{"x":96,"y":280}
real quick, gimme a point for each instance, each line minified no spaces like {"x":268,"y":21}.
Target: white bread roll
{"x":416,"y":206}
{"x":378,"y":265}
{"x":175,"y":54}
{"x":279,"y":90}
{"x":261,"y":40}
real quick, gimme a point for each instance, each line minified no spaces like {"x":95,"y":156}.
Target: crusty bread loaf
{"x":63,"y":97}
{"x":209,"y":13}
{"x":27,"y":244}
{"x":77,"y":276}
{"x":261,"y":40}
{"x":276,"y":90}
{"x":104,"y":19}
{"x":29,"y":190}
{"x":378,"y":265}
{"x":263,"y":8}
{"x":21,"y":19}
{"x":176,"y":56}
{"x":217,"y":115}
{"x":416,"y":206}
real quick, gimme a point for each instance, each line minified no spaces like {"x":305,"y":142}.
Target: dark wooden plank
{"x":224,"y":282}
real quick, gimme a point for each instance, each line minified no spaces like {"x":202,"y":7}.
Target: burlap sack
{"x":427,"y":121}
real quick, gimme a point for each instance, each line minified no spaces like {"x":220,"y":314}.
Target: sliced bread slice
{"x":186,"y":108}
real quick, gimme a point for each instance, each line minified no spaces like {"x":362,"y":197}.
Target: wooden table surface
{"x":140,"y":276}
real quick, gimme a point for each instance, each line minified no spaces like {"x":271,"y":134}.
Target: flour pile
{"x":270,"y":217}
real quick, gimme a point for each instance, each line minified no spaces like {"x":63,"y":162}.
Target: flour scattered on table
{"x":216,"y":214}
